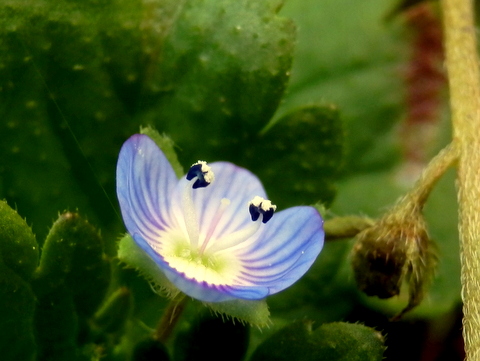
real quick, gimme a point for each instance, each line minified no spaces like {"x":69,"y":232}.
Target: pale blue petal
{"x":145,"y":181}
{"x":238,"y":185}
{"x":285,"y":250}
{"x":281,"y":255}
{"x":210,"y":293}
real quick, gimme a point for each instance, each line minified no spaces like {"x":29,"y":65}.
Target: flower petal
{"x":236,"y":184}
{"x":281,"y":254}
{"x":145,"y":181}
{"x":284,"y":251}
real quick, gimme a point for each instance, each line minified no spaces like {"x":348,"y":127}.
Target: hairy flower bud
{"x":395,"y":249}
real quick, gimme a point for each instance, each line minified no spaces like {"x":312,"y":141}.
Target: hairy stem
{"x":463,"y":75}
{"x":170,"y":317}
{"x":416,"y":198}
{"x":349,"y":226}
{"x":345,"y":227}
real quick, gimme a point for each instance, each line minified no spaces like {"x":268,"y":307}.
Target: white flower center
{"x":215,"y":269}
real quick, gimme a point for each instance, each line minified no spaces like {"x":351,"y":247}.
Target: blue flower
{"x":213,"y":233}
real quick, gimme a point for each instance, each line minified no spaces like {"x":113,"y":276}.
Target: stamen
{"x":202,"y":175}
{"x":258,"y":206}
{"x":202,"y":171}
{"x":190,"y":216}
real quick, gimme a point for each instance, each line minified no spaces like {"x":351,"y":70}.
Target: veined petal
{"x":284,"y":250}
{"x":277,"y":258}
{"x":145,"y":181}
{"x":236,"y":184}
{"x":213,"y":293}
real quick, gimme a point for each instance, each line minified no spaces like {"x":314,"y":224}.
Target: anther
{"x":203,"y":172}
{"x":260,"y":206}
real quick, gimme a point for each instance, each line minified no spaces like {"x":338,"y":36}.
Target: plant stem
{"x":170,"y":317}
{"x":339,"y":228}
{"x":416,"y":198}
{"x":463,"y":73}
{"x":349,"y":226}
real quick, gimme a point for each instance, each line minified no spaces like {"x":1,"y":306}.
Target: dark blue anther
{"x":267,"y":215}
{"x":196,"y":171}
{"x":255,"y":212}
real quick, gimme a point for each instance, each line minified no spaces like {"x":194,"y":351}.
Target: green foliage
{"x":346,"y":54}
{"x":18,"y":246}
{"x":18,"y":260}
{"x":73,"y":258}
{"x":114,"y":312}
{"x":298,"y":147}
{"x":69,"y":284}
{"x":255,"y":312}
{"x":166,"y":144}
{"x":56,"y":325}
{"x":220,"y":72}
{"x":150,"y":350}
{"x":17,"y":304}
{"x":330,"y":342}
{"x":80,"y":77}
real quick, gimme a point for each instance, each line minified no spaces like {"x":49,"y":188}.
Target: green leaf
{"x":73,"y":258}
{"x":330,"y":342}
{"x":301,"y":156}
{"x":56,"y":326}
{"x":17,"y":305}
{"x":51,"y":63}
{"x":18,"y":246}
{"x":222,"y":70}
{"x":352,"y":61}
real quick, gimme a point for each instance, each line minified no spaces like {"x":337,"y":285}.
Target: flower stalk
{"x":416,"y":198}
{"x":463,"y":75}
{"x":170,"y":318}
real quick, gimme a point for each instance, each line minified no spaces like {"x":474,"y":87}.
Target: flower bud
{"x":395,"y":249}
